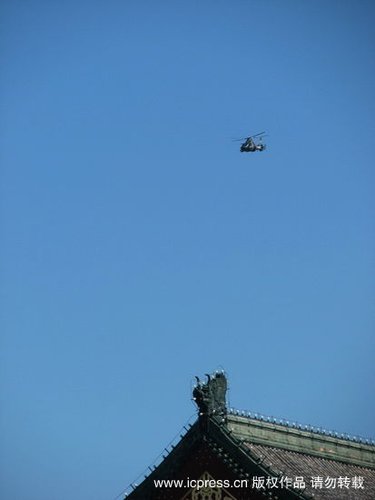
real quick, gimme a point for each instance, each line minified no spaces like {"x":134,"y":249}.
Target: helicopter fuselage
{"x":251,"y":148}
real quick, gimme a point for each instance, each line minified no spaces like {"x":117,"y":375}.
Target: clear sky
{"x":140,"y":247}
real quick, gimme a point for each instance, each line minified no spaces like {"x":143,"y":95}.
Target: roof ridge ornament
{"x":210,"y":396}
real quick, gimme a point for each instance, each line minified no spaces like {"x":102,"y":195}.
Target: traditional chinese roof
{"x":234,"y":444}
{"x":320,"y":458}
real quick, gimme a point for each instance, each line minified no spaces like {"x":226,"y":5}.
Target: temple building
{"x":231,"y":455}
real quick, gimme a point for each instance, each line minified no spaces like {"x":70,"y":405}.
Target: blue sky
{"x":140,"y":247}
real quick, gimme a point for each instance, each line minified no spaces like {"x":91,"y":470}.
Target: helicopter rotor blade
{"x":263,"y":134}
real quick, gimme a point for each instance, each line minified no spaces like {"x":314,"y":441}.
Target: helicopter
{"x":249,"y":146}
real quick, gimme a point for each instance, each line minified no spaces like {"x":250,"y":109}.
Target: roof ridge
{"x":292,"y":424}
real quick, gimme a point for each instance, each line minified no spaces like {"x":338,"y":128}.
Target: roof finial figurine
{"x":210,"y":396}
